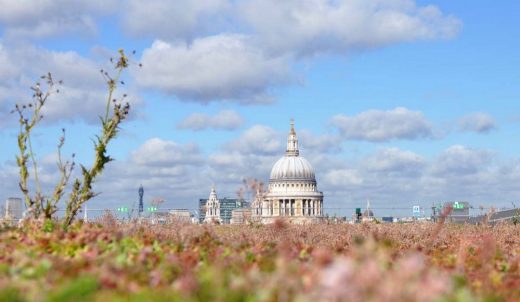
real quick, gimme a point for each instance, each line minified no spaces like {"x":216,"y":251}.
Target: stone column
{"x":299,"y":207}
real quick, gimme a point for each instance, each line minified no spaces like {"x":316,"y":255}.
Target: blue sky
{"x":396,"y":101}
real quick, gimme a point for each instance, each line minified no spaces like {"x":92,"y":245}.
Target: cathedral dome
{"x":292,"y":168}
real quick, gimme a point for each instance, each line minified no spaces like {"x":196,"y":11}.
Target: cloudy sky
{"x":398,"y":101}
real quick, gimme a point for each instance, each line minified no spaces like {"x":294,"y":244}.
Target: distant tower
{"x":141,"y":205}
{"x":213,"y":208}
{"x":85,"y":215}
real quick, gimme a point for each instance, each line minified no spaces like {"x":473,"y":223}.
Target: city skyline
{"x":400,"y":102}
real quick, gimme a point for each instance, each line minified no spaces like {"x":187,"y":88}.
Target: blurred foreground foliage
{"x":108,"y":261}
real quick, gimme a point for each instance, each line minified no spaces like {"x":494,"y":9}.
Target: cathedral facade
{"x":292,"y":192}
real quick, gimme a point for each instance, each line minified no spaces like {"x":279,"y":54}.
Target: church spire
{"x":292,"y":142}
{"x":213,"y":194}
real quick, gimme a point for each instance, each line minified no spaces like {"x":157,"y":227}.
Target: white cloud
{"x":248,"y":55}
{"x":341,"y":178}
{"x":394,"y":178}
{"x":312,"y":27}
{"x":25,"y":18}
{"x":258,"y":139}
{"x":158,"y":152}
{"x":225,"y":120}
{"x":166,"y":169}
{"x":395,"y":160}
{"x":170,"y":20}
{"x":222,"y":67}
{"x":83,"y":92}
{"x":477,"y":122}
{"x":231,"y":167}
{"x":379,"y":126}
{"x":325,"y":143}
{"x":389,"y":174}
{"x":9,"y":68}
{"x":459,"y":160}
{"x":302,"y":28}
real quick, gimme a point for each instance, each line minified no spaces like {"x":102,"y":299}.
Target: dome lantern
{"x":292,"y":142}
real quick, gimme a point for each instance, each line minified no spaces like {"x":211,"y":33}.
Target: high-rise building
{"x":227,"y":205}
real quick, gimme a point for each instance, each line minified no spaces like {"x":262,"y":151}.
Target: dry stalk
{"x":27,"y":123}
{"x":115,"y":113}
{"x":82,"y":188}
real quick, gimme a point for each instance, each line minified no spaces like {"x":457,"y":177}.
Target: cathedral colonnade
{"x":294,"y":207}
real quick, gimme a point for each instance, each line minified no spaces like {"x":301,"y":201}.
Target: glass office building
{"x":227,"y":205}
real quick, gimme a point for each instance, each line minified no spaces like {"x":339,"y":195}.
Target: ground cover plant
{"x":111,"y":261}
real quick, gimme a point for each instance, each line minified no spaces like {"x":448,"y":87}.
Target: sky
{"x":400,"y":102}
